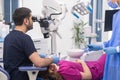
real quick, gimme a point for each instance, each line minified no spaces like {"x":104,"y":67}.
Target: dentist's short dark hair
{"x":20,"y":14}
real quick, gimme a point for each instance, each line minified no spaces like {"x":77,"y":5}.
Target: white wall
{"x":104,"y":34}
{"x":65,"y":27}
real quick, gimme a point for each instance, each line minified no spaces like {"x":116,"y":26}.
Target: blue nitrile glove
{"x":94,"y":47}
{"x":42,"y":55}
{"x":111,"y":50}
{"x":55,"y":59}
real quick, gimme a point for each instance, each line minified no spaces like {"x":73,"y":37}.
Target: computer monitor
{"x":108,"y":19}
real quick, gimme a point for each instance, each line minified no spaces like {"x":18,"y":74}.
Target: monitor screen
{"x":108,"y":19}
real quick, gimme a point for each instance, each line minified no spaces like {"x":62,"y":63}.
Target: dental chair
{"x":91,"y":55}
{"x":86,"y":55}
{"x":4,"y":74}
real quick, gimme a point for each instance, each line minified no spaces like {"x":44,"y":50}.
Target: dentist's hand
{"x":94,"y":47}
{"x":55,"y":59}
{"x":110,"y":50}
{"x":43,"y":55}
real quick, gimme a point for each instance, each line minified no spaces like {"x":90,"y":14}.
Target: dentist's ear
{"x":25,"y":21}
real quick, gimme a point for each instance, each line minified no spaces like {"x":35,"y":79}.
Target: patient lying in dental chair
{"x":75,"y":70}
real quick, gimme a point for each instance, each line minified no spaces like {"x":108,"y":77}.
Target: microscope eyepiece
{"x":34,"y":18}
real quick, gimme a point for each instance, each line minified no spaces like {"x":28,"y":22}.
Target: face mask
{"x":113,"y":5}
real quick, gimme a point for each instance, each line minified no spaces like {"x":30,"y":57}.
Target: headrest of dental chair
{"x":4,"y":74}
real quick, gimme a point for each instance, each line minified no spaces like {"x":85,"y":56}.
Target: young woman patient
{"x":78,"y":70}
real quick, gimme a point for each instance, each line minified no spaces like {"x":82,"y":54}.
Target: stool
{"x":32,"y":71}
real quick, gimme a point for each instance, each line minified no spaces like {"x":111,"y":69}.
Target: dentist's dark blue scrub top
{"x":18,"y":46}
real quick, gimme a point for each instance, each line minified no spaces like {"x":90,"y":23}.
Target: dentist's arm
{"x":42,"y":62}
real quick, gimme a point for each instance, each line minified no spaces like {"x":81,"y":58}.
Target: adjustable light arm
{"x":81,"y":7}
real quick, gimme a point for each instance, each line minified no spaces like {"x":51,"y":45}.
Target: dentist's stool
{"x":32,"y":71}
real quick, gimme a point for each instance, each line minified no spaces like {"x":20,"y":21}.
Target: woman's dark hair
{"x":49,"y":75}
{"x":20,"y":14}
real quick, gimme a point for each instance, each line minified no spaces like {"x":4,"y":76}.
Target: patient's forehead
{"x":51,"y":65}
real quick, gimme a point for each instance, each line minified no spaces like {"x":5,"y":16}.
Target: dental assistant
{"x":112,"y":65}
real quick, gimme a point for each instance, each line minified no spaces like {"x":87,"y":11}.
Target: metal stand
{"x":53,"y":41}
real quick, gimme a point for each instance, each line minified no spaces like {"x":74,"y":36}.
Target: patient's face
{"x":53,"y":67}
